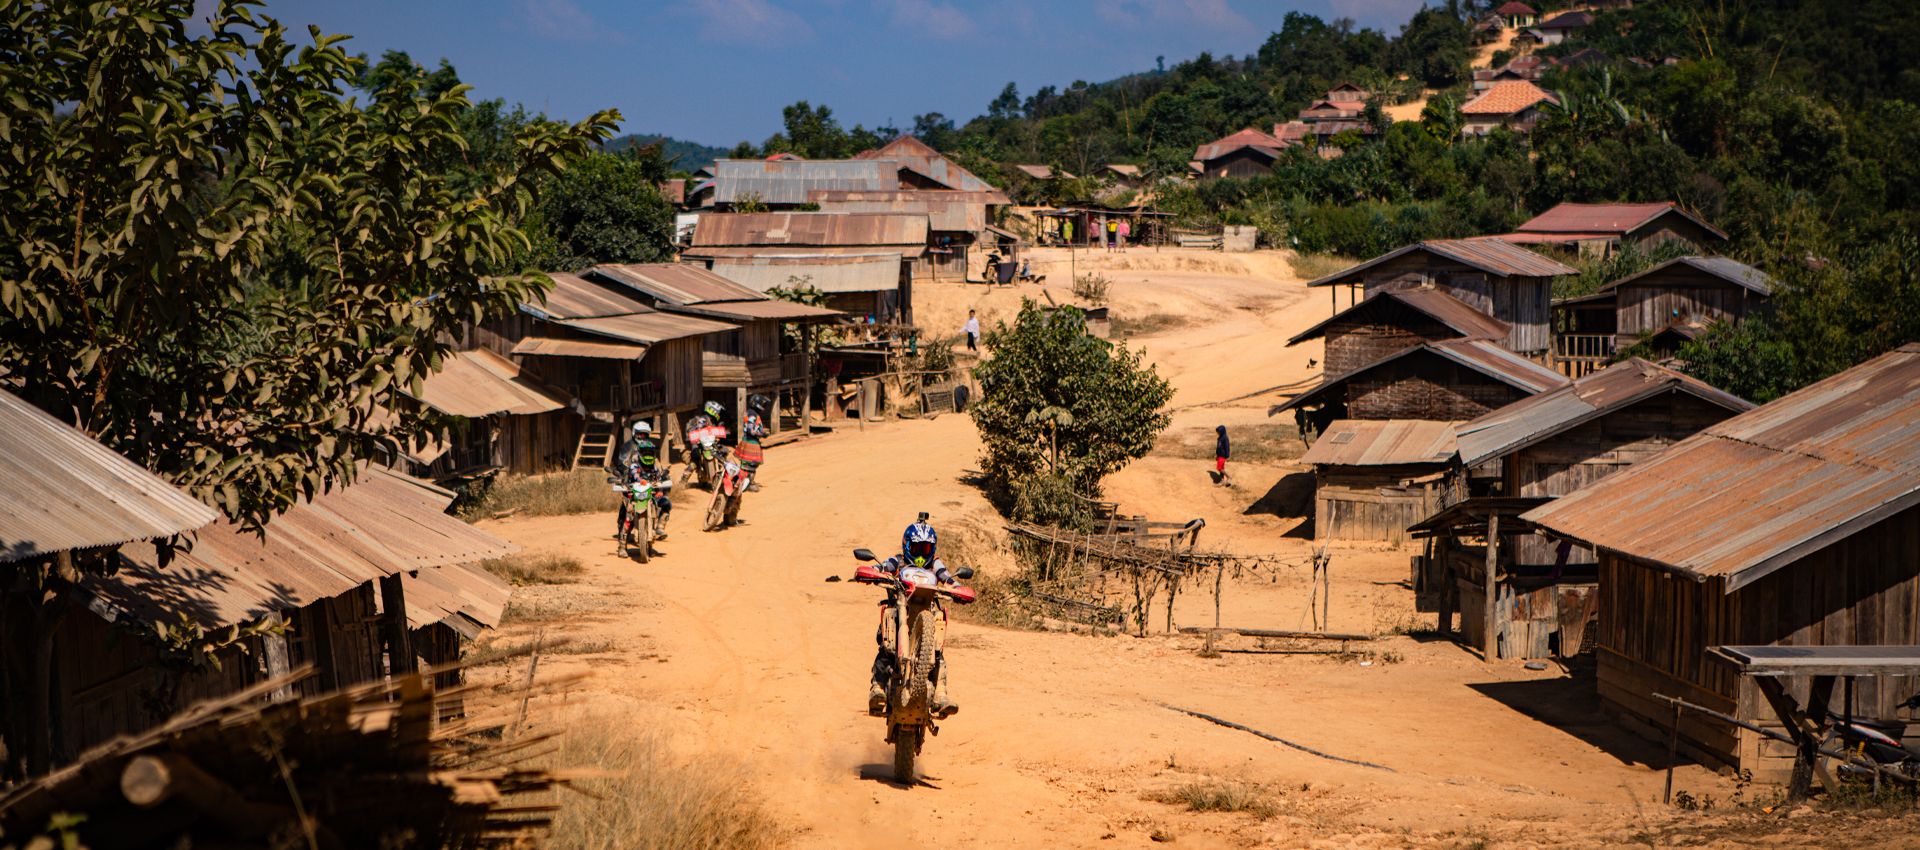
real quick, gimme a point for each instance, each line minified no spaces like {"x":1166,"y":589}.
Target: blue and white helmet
{"x":919,"y":543}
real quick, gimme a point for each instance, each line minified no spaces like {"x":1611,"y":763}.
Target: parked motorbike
{"x":729,"y":488}
{"x":1880,"y":742}
{"x":642,"y":516}
{"x":703,"y":454}
{"x":914,"y":622}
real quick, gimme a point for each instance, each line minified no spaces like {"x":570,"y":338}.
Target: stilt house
{"x":1522,"y":456}
{"x":1450,"y":381}
{"x":1390,"y":320}
{"x":1495,"y":278}
{"x":1662,"y":307}
{"x":506,"y":414}
{"x":1601,"y":229}
{"x":1796,"y":523}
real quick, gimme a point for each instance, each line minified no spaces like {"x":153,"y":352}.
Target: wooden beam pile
{"x":367,"y":766}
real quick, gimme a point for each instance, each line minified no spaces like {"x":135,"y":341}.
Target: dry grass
{"x":1251,"y":443}
{"x":1152,"y":323}
{"x":535,"y":568}
{"x":1092,"y":288}
{"x":1316,"y":266}
{"x":653,"y":801}
{"x":503,"y":653}
{"x":581,"y":491}
{"x":1219,"y":795}
{"x":547,"y":608}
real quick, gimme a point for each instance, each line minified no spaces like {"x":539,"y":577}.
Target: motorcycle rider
{"x":919,"y":547}
{"x":697,"y":425}
{"x":752,"y":431}
{"x":637,"y":458}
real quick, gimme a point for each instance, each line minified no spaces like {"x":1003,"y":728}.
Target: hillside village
{"x":1500,"y":554}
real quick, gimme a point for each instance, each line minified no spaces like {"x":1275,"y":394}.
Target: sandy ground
{"x":738,"y":646}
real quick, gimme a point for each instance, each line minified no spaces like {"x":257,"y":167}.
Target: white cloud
{"x":564,"y":20}
{"x":749,"y":21}
{"x":1211,"y":14}
{"x":930,"y":17}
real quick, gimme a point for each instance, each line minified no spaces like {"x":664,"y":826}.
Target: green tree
{"x":1057,"y":399}
{"x":222,"y":266}
{"x":607,"y":208}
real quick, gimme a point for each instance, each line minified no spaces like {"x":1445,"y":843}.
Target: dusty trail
{"x":735,"y":643}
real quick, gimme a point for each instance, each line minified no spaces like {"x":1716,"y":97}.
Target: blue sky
{"x":718,"y":71}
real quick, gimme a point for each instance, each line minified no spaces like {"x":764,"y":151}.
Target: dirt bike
{"x":642,"y":517}
{"x":703,"y":454}
{"x":1875,"y":742}
{"x":729,"y":488}
{"x":915,"y":624}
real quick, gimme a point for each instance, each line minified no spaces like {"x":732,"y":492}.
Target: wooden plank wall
{"x":1578,"y":457}
{"x":537,"y":443}
{"x":1353,"y":343}
{"x":341,"y":638}
{"x":1370,"y":502}
{"x":676,"y":364}
{"x":109,"y":683}
{"x":1422,"y":386}
{"x":1523,"y":302}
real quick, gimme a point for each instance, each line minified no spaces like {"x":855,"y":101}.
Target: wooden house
{"x":1796,"y":523}
{"x":737,"y":236}
{"x":1601,"y":229}
{"x":1389,"y":320}
{"x":1373,"y":479}
{"x":1523,"y":455}
{"x":1514,"y":104}
{"x":1502,"y":280}
{"x":505,"y":414}
{"x":787,"y":184}
{"x":1528,"y":68}
{"x":873,"y":289}
{"x":1248,"y":153}
{"x":1683,"y":293}
{"x":618,"y":359}
{"x":761,"y":357}
{"x":1451,"y":381}
{"x":1517,"y":14}
{"x":1561,"y":27}
{"x":958,"y":225}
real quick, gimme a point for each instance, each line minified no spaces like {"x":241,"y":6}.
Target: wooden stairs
{"x":596,"y":445}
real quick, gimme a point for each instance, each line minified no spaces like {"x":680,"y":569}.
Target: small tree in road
{"x":1057,"y":400}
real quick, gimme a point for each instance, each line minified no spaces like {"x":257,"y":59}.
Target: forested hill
{"x":680,"y":154}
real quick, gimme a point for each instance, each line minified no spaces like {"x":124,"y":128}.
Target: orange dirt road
{"x":736,"y":646}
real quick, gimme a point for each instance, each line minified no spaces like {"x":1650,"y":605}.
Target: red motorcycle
{"x":729,"y":487}
{"x":914,"y":625}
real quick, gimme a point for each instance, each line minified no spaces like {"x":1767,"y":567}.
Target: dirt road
{"x":737,"y":645}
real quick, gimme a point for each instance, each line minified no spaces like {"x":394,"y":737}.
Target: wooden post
{"x":1490,"y":640}
{"x":400,"y":660}
{"x":1673,"y":753}
{"x":739,"y":414}
{"x":275,"y":653}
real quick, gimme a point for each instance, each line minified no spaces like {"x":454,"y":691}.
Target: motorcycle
{"x":729,"y":488}
{"x":1875,"y":742}
{"x":915,"y":626}
{"x":642,"y":516}
{"x":703,"y":454}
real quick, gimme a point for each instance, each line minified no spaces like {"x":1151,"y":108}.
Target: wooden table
{"x":1824,"y":665}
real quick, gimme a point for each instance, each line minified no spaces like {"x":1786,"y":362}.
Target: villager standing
{"x":972,"y":329}
{"x":1126,"y":231}
{"x":1221,"y":451}
{"x":1113,"y":234}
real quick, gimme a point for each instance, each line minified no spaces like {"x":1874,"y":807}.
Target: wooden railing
{"x":793,"y":367}
{"x":1576,"y":355}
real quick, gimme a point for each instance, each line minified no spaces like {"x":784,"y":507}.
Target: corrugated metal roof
{"x":920,"y":158}
{"x":574,"y":297}
{"x":846,"y":273}
{"x":1248,"y":138}
{"x":381,"y":525}
{"x":1491,"y":255}
{"x":1535,"y":418}
{"x":564,"y":347}
{"x":1570,"y":220}
{"x":1760,"y":490}
{"x":1507,"y":97}
{"x":816,"y":229}
{"x":649,"y":328}
{"x":1042,"y":172}
{"x":481,"y":383}
{"x":1566,"y":21}
{"x":1437,"y":305}
{"x":675,"y":283}
{"x":1725,"y":268}
{"x":789,"y":181}
{"x":61,"y":490}
{"x":1482,"y":356}
{"x":945,"y":210}
{"x":1365,"y":442}
{"x":447,"y":594}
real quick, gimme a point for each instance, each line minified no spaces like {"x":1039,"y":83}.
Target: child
{"x":1221,"y":451}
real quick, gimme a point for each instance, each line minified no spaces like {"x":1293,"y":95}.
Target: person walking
{"x":972,"y":329}
{"x":1221,"y":451}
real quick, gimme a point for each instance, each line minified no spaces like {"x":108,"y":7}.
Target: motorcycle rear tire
{"x":906,"y":746}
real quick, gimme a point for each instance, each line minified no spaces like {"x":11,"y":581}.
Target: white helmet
{"x":642,"y":427}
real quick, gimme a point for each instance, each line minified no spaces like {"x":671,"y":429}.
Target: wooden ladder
{"x":596,"y":445}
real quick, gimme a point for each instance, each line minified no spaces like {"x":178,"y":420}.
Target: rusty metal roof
{"x":1490,"y":255}
{"x":454,"y":595}
{"x":835,"y":273}
{"x":945,"y":210}
{"x":1249,"y":138}
{"x":1366,"y":442}
{"x":570,"y":347}
{"x":1536,"y":418}
{"x":575,"y":297}
{"x":609,"y":310}
{"x":383,"y":524}
{"x":1725,"y":268}
{"x":1767,"y":487}
{"x":62,"y":490}
{"x":790,"y":230}
{"x":676,"y":284}
{"x":649,"y":328}
{"x":1572,"y":220}
{"x":789,"y":181}
{"x":481,"y":383}
{"x":1433,"y":303}
{"x":1482,"y":356}
{"x":920,"y":158}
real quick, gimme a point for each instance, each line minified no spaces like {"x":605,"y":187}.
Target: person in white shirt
{"x":973,"y":331}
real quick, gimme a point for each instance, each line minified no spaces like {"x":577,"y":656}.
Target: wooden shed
{"x":870,"y":288}
{"x":736,"y":236}
{"x":1448,"y":381}
{"x":1685,"y":292}
{"x":1495,"y":278}
{"x":513,"y":421}
{"x":1524,"y":455}
{"x":1796,"y":523}
{"x":1372,"y":479}
{"x":1390,"y":320}
{"x":1247,"y":153}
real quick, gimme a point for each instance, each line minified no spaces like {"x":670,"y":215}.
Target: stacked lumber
{"x":367,"y":766}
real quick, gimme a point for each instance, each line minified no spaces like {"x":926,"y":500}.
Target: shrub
{"x":1316,"y":266}
{"x":535,"y":568}
{"x":1092,"y":288}
{"x":1044,"y":499}
{"x":1214,"y":795}
{"x":581,"y":491}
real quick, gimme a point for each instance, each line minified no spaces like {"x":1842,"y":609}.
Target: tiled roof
{"x":1507,"y":97}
